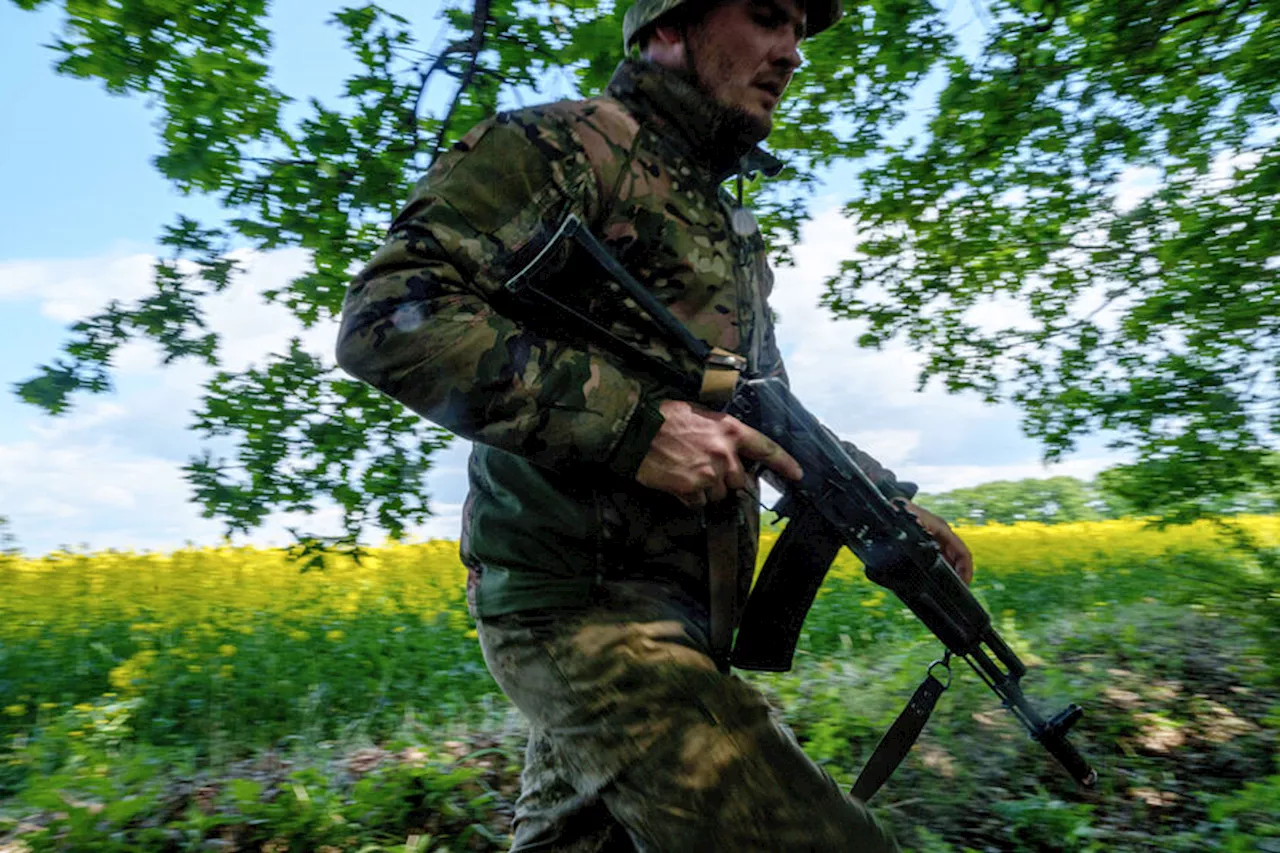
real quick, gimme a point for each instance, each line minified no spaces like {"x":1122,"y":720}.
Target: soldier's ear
{"x":665,"y":45}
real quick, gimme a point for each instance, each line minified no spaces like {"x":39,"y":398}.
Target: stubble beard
{"x":734,"y":119}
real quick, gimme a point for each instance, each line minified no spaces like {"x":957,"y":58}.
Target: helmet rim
{"x":819,"y":15}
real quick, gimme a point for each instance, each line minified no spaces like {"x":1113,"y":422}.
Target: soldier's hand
{"x":697,"y":455}
{"x":956,"y":552}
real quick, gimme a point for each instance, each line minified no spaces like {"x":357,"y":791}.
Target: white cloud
{"x":1137,"y":183}
{"x":828,"y":371}
{"x":104,"y":496}
{"x":92,"y":417}
{"x":57,"y":493}
{"x":1000,"y":312}
{"x":70,"y":289}
{"x":250,"y":329}
{"x":154,"y":399}
{"x":944,"y":478}
{"x":844,"y":384}
{"x":893,"y":447}
{"x":445,"y":524}
{"x":1222,"y":171}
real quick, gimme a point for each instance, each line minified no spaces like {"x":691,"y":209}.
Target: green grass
{"x":1174,"y":661}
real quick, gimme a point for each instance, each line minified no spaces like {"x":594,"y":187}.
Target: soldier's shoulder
{"x":575,"y":138}
{"x":572,"y":121}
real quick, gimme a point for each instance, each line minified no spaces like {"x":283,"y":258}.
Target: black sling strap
{"x":902,"y":735}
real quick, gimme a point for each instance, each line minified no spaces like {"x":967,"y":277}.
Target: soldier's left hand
{"x":953,"y":549}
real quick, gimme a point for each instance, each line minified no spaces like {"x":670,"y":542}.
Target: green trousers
{"x":637,"y":743}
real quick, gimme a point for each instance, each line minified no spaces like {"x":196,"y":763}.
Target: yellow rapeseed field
{"x":1034,"y":548}
{"x":235,"y":638}
{"x":212,"y":591}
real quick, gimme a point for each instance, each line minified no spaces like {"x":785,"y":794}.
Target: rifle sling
{"x":720,"y":376}
{"x":899,"y":739}
{"x":722,"y":579}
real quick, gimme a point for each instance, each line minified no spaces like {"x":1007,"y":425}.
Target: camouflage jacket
{"x":559,"y":425}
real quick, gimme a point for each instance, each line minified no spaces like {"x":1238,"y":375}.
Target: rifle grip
{"x":784,"y":592}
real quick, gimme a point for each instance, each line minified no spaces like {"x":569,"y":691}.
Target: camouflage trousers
{"x":638,"y":743}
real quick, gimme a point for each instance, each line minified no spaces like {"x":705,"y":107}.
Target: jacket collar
{"x":690,"y":120}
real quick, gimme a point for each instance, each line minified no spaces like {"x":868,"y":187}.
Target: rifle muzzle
{"x":1054,"y":738}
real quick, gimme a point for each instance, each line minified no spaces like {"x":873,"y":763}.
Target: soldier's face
{"x":744,"y":52}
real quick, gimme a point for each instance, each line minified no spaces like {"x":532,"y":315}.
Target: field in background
{"x":158,"y":702}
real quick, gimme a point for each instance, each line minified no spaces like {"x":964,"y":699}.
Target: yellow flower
{"x":186,"y":603}
{"x":15,"y":710}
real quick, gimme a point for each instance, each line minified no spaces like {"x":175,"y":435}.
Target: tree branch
{"x":1192,"y":16}
{"x":437,"y":64}
{"x":479,"y":20}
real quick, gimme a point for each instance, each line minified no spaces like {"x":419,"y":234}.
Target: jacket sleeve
{"x":420,"y":322}
{"x":885,"y":480}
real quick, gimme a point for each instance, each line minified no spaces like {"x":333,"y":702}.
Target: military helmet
{"x":819,"y":14}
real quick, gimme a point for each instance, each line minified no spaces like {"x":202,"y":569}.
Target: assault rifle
{"x":834,"y":505}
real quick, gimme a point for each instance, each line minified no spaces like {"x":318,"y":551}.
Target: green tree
{"x":1050,"y":501}
{"x":1159,"y":321}
{"x":1158,"y":318}
{"x":8,"y":542}
{"x":1133,"y":485}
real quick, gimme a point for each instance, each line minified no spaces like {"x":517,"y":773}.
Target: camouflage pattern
{"x":819,"y":15}
{"x":638,"y":743}
{"x":559,"y":426}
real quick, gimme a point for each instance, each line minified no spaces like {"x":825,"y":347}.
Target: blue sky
{"x":84,"y":208}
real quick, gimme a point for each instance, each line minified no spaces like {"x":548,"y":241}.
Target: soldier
{"x":600,"y":498}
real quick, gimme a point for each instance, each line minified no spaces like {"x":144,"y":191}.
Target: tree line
{"x":1054,"y":500}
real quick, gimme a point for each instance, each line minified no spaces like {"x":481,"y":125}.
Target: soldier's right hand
{"x":697,"y":455}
